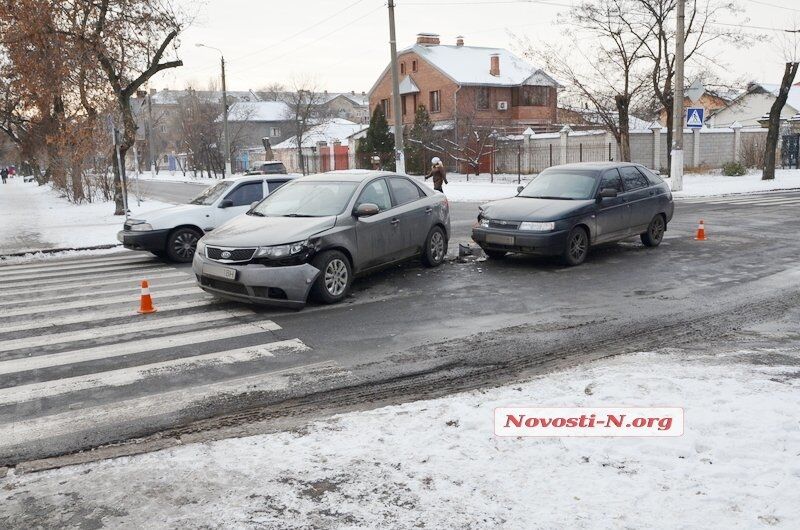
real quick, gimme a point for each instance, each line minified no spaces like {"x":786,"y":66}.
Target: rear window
{"x":404,"y":191}
{"x":633,"y":178}
{"x":273,"y":169}
{"x":651,"y":175}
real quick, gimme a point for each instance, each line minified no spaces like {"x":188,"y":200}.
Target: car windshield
{"x":211,"y":194}
{"x":307,"y":199}
{"x":573,"y":184}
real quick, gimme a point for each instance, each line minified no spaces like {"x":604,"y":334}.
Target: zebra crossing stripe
{"x":14,"y":436}
{"x":132,"y":273}
{"x":137,"y":324}
{"x":84,"y":317}
{"x":110,"y":351}
{"x":154,"y":265}
{"x":41,"y":292}
{"x":127,"y":376}
{"x":60,"y":266}
{"x":92,"y":302}
{"x":54,"y":262}
{"x":82,"y":292}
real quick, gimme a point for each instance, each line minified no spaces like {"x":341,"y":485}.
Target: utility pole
{"x":399,"y":155}
{"x":226,"y":155}
{"x":676,"y":171}
{"x":151,"y":145}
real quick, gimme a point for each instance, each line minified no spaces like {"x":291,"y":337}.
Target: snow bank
{"x":714,"y":184}
{"x":35,"y":217}
{"x":437,"y":464}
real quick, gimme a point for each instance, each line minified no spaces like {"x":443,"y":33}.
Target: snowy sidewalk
{"x":436,"y":464}
{"x":34,"y":217}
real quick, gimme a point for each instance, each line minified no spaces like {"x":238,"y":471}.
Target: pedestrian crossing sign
{"x":695,"y":116}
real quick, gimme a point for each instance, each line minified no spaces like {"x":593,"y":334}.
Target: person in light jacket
{"x":438,"y":173}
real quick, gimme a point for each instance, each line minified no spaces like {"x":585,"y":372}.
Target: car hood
{"x":526,"y":209}
{"x":166,"y":215}
{"x":254,"y":231}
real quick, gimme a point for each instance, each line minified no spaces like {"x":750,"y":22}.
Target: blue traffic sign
{"x":695,"y":116}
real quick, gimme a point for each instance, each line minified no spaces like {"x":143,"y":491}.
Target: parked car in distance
{"x":270,"y":167}
{"x":317,"y":233}
{"x":173,"y":232}
{"x":567,"y":209}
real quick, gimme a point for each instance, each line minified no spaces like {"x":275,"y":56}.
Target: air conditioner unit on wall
{"x":502,"y":105}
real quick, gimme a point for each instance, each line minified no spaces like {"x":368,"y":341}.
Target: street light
{"x":226,"y":155}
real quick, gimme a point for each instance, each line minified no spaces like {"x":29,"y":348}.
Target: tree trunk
{"x":624,"y":140}
{"x":775,"y":121}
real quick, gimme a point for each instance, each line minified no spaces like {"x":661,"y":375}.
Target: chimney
{"x":152,"y":91}
{"x":459,"y":41}
{"x":427,"y":39}
{"x":494,"y":64}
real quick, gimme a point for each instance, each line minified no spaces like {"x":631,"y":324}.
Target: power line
{"x":774,"y":5}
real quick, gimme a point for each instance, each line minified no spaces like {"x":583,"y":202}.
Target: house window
{"x":435,"y":101}
{"x":402,"y":68}
{"x":414,"y":65}
{"x":403,"y":100}
{"x":274,"y":131}
{"x":482,"y":98}
{"x":529,"y":96}
{"x":386,"y":107}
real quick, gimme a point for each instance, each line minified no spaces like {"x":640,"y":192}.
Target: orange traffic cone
{"x":701,"y":232}
{"x":146,"y":304}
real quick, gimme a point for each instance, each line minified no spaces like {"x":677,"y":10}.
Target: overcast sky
{"x":343,"y":44}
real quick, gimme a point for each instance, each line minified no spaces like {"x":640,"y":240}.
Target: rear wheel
{"x":655,"y":232}
{"x":495,"y":254}
{"x":435,"y":248}
{"x":577,"y":247}
{"x":335,"y":277}
{"x":181,"y":244}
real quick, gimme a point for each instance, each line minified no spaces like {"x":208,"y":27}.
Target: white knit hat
{"x":435,"y":160}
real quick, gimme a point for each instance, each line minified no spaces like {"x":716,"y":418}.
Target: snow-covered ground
{"x":437,"y":464}
{"x":713,"y":184}
{"x":35,"y":217}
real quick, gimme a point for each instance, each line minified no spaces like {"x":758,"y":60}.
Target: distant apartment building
{"x":459,"y":83}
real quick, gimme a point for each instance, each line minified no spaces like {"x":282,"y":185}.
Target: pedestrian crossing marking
{"x":95,"y":353}
{"x":75,"y":273}
{"x":127,"y":376}
{"x":129,"y":273}
{"x":40,"y":293}
{"x":135,"y":325}
{"x":15,"y":269}
{"x":85,"y":293}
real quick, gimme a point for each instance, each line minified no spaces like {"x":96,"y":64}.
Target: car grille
{"x":222,"y":285}
{"x":507,"y":225}
{"x":236,"y":254}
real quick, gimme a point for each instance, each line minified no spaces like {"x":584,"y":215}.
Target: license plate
{"x":500,"y":240}
{"x":226,"y":273}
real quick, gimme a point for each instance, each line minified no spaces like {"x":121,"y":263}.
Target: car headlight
{"x":537,"y":227}
{"x":139,"y":226}
{"x":483,"y":222}
{"x":201,"y":247}
{"x":280,"y":251}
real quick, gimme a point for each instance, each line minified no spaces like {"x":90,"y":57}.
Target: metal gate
{"x":790,"y":150}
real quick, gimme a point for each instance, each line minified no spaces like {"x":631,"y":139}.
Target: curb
{"x":54,"y":250}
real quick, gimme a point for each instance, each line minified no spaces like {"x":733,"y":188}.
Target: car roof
{"x":348,"y":175}
{"x":245,"y":178}
{"x":599,"y":166}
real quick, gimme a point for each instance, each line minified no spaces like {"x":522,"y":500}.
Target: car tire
{"x":495,"y":254}
{"x":655,"y":232}
{"x":577,"y":247}
{"x":435,"y":249}
{"x":181,"y":244}
{"x":335,"y":277}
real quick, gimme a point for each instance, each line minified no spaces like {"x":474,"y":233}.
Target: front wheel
{"x":335,"y":277}
{"x":181,"y":244}
{"x":435,"y":248}
{"x":655,"y":232}
{"x":577,"y":247}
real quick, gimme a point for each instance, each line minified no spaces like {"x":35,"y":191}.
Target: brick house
{"x":485,"y":86}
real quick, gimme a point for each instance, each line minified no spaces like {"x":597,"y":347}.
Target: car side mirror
{"x":608,"y":192}
{"x":366,"y":209}
{"x":520,"y":188}
{"x":227,"y":203}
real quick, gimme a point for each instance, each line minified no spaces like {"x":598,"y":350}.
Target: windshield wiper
{"x":547,"y":197}
{"x":257,"y":214}
{"x":297,"y":215}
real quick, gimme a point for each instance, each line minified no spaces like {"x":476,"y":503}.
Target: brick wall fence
{"x":703,"y":148}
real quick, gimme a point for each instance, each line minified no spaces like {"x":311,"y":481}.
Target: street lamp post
{"x":226,"y":155}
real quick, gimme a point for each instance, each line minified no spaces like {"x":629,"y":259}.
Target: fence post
{"x":519,"y":164}
{"x":526,"y":142}
{"x":564,"y":133}
{"x":351,"y":153}
{"x":610,"y":140}
{"x":696,"y":149}
{"x":737,"y":141}
{"x":656,"y":128}
{"x":550,"y":162}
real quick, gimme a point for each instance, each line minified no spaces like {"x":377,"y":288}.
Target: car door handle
{"x":428,"y":210}
{"x":652,"y":192}
{"x":395,"y":222}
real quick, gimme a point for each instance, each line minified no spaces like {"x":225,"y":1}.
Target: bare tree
{"x":790,"y":45}
{"x":306,"y":111}
{"x":609,"y":74}
{"x":272,"y":92}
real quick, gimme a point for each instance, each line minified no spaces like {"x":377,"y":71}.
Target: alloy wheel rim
{"x":437,"y":247}
{"x":577,"y":246}
{"x":185,"y":244}
{"x":336,"y":277}
{"x":657,"y":230}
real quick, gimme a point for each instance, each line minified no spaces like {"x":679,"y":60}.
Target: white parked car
{"x":173,"y":232}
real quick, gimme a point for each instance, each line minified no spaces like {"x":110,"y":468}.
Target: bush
{"x":733,"y":169}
